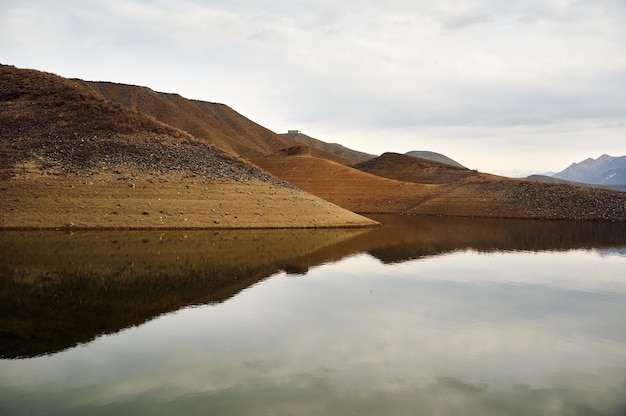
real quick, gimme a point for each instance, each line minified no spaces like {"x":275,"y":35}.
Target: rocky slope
{"x":210,"y":123}
{"x":68,"y":156}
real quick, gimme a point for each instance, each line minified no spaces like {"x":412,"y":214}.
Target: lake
{"x":424,"y":315}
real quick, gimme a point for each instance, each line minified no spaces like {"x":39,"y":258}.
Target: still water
{"x":428,"y":316}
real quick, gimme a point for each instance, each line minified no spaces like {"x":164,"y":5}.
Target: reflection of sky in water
{"x":464,"y":333}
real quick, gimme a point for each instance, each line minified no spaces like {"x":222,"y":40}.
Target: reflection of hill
{"x":406,"y":238}
{"x":57,"y":289}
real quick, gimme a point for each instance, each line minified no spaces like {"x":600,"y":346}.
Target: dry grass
{"x":163,"y":201}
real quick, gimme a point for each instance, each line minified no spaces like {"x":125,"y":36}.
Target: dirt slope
{"x":435,"y":157}
{"x":330,"y":151}
{"x":69,"y":156}
{"x":342,"y":185}
{"x":478,"y":195}
{"x":210,"y":123}
{"x":414,"y":169}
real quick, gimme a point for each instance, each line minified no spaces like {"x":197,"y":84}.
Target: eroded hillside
{"x":71,"y":158}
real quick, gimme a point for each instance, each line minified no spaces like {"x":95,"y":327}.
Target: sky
{"x":503,"y":86}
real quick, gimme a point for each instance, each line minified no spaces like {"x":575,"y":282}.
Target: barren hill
{"x":210,"y":123}
{"x":414,"y":169}
{"x":330,"y":151}
{"x":478,"y":194}
{"x":347,"y":187}
{"x":435,"y":157}
{"x":69,"y":157}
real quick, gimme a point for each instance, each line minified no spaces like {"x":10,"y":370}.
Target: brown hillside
{"x":61,"y":126}
{"x":70,"y":157}
{"x":342,"y":185}
{"x":414,"y":169}
{"x":211,"y":123}
{"x":479,"y":195}
{"x":331,"y":151}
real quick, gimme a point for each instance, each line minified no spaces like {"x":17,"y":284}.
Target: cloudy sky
{"x":503,"y":86}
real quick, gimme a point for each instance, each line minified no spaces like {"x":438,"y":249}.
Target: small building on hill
{"x":293,"y":131}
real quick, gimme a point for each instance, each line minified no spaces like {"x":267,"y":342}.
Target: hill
{"x":71,"y":158}
{"x":435,"y":157}
{"x":478,"y":195}
{"x":330,"y":151}
{"x":414,"y":169}
{"x":86,"y":154}
{"x":210,"y":123}
{"x":605,"y":170}
{"x":214,"y":123}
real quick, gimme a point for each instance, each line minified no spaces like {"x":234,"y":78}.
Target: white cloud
{"x":355,"y":67}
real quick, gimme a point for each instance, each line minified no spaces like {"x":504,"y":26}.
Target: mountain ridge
{"x":605,"y":170}
{"x":212,"y":123}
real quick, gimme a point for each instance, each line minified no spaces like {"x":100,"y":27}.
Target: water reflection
{"x":464,"y":333}
{"x":59,"y":289}
{"x":409,"y":237}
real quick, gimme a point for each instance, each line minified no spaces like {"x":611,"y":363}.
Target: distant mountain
{"x":437,"y":157}
{"x":551,"y":179}
{"x":605,"y":170}
{"x":330,"y":151}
